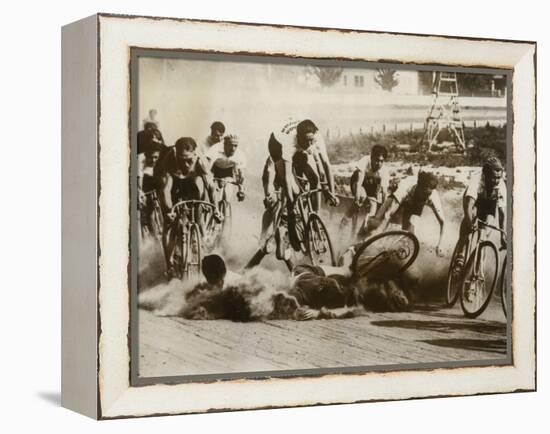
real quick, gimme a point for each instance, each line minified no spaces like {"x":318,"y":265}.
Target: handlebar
{"x":316,"y":190}
{"x":151,"y":193}
{"x":225,"y":181}
{"x":190,"y":203}
{"x":369,"y":199}
{"x":487,"y":225}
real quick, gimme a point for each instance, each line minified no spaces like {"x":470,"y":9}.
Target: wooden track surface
{"x":173,"y":346}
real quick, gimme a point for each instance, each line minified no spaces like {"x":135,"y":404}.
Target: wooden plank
{"x":173,"y":346}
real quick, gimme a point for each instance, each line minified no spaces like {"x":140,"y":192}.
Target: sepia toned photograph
{"x":298,"y":217}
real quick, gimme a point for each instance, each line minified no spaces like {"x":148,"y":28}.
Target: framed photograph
{"x":261,"y":216}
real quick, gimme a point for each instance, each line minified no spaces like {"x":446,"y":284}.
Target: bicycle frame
{"x":478,"y":231}
{"x":154,"y":200}
{"x":472,"y":279}
{"x":188,"y":215}
{"x":222,"y":183}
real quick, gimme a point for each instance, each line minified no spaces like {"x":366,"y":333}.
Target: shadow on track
{"x":490,"y":328}
{"x":497,"y":346}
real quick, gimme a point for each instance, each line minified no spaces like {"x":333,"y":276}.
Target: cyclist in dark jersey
{"x":147,"y":183}
{"x":408,"y":202}
{"x":182,"y":175}
{"x":369,"y":180}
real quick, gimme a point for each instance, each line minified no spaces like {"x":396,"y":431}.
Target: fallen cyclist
{"x":313,"y":292}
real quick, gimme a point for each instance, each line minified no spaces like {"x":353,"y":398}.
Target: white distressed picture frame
{"x":96,"y":219}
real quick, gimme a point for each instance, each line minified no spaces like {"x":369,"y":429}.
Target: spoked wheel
{"x":504,"y":287}
{"x":193,"y":262}
{"x":301,"y":227}
{"x":318,"y":242}
{"x":225,"y":211}
{"x":479,"y":278}
{"x":157,"y":223}
{"x":179,"y":255}
{"x":454,"y":279}
{"x":386,"y":255}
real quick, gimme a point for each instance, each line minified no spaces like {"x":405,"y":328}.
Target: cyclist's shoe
{"x":218,"y":217}
{"x":170,"y":273}
{"x":470,"y":290}
{"x":268,"y":244}
{"x":458,"y":265}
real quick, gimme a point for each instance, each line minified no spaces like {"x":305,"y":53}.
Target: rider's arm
{"x":239,"y":175}
{"x":468,"y":203}
{"x":328,"y":171}
{"x":502,"y":206}
{"x":163,"y":191}
{"x":469,"y":200}
{"x":204,"y":168}
{"x":441,"y":220}
{"x":360,"y":179}
{"x":163,"y":182}
{"x":435,"y":205}
{"x":388,"y":207}
{"x":268,"y":176}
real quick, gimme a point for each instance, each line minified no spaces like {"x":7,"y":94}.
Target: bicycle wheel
{"x":157,"y":223}
{"x":193,"y":262}
{"x":225,"y":211}
{"x":179,"y":255}
{"x":453,"y":280}
{"x":300,"y":227}
{"x":385,"y":255}
{"x":479,"y":278}
{"x":319,"y":246}
{"x":504,"y":287}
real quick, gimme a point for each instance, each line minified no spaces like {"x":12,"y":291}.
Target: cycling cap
{"x":492,"y":163}
{"x":231,"y":138}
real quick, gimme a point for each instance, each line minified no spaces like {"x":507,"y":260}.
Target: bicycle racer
{"x":297,"y":151}
{"x":217,"y":130}
{"x":182,"y":175}
{"x":483,"y":199}
{"x":408,"y":201}
{"x":369,"y":180}
{"x":146,"y":185}
{"x":227,"y":162}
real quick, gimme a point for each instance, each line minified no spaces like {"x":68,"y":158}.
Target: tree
{"x":327,"y":75}
{"x":386,"y":78}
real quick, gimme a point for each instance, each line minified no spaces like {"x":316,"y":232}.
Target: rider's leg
{"x":169,"y":243}
{"x":200,"y":189}
{"x":461,"y":246}
{"x":389,"y":207}
{"x":284,"y":178}
{"x":256,"y":259}
{"x":313,"y":179}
